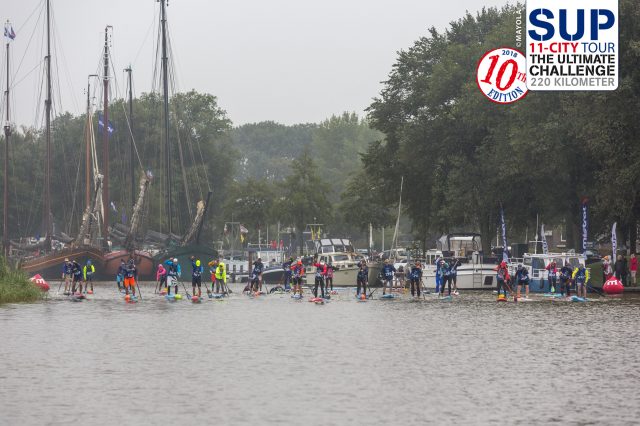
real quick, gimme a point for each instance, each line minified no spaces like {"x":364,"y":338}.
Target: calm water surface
{"x":273,"y":360}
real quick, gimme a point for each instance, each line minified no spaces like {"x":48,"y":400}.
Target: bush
{"x":15,"y":287}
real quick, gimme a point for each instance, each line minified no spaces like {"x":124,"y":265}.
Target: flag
{"x":313,"y":236}
{"x":9,"y":34}
{"x":614,"y":242}
{"x":505,"y":251}
{"x":113,"y":207}
{"x":101,"y":124}
{"x":225,"y":230}
{"x":545,"y":246}
{"x":243,"y":230}
{"x":242,"y":238}
{"x":585,"y":224}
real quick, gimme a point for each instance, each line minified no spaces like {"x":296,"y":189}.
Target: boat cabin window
{"x":535,"y":262}
{"x":340,"y":258}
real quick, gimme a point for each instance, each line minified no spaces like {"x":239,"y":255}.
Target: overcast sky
{"x":289,"y":61}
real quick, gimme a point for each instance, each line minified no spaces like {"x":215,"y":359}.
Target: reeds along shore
{"x":15,"y":287}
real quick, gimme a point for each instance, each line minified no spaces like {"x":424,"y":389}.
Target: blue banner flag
{"x":585,"y":225}
{"x":505,"y":251}
{"x":545,"y":246}
{"x":101,"y":123}
{"x":614,"y":242}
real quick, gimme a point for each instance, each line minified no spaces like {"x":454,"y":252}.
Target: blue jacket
{"x":173,"y":270}
{"x":258,"y":267}
{"x":453,"y":270}
{"x":363,"y":273}
{"x":67,"y":268}
{"x":131,"y":271}
{"x":565,"y":273}
{"x":416,"y":273}
{"x":522,"y":275}
{"x":387,"y":271}
{"x":196,"y":271}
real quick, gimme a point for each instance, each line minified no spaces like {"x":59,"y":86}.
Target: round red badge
{"x":502,"y":75}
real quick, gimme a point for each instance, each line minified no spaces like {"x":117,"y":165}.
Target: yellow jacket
{"x":586,"y":274}
{"x":221,"y":272}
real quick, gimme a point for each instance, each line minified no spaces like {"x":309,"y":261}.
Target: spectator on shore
{"x":633,"y":267}
{"x":621,"y":269}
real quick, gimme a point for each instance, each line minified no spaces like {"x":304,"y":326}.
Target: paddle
{"x":139,"y":292}
{"x":185,"y":289}
{"x":60,"y":285}
{"x":372,"y":291}
{"x":599,"y":292}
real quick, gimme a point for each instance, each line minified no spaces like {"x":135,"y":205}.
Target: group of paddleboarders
{"x":127,"y":277}
{"x":561,"y":280}
{"x":75,"y":276}
{"x":168,"y":276}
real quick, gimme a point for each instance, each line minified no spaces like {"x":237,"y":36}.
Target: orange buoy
{"x":127,"y":298}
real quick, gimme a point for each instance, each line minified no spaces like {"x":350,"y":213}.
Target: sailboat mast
{"x":165,"y":91}
{"x":105,"y":139}
{"x":87,"y":174}
{"x":131,"y":152}
{"x":7,"y":134}
{"x":47,"y":191}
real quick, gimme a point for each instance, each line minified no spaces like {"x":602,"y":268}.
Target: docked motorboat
{"x":537,"y":264}
{"x":473,"y":272}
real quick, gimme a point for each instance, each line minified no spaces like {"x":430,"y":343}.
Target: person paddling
{"x":76,"y":269}
{"x":522,"y":280}
{"x":221,"y":277}
{"x":446,"y":278}
{"x":581,"y":277}
{"x":161,"y":278}
{"x":130,"y":278}
{"x":415,"y":275}
{"x":122,"y":270}
{"x":288,"y":274}
{"x":362,"y":279}
{"x":297,"y":272}
{"x":87,"y":274}
{"x":173,"y":274}
{"x":321,"y":273}
{"x":565,"y":279}
{"x":67,"y":275}
{"x":502,"y":277}
{"x":329,"y":278}
{"x":552,"y":276}
{"x":453,"y":275}
{"x":196,"y":275}
{"x":212,"y":270}
{"x":388,"y":271}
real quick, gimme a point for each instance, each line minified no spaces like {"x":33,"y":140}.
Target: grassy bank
{"x":15,"y":287}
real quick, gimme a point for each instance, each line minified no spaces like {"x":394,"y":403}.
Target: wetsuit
{"x":120,"y":275}
{"x":565,"y":277}
{"x":287,"y":275}
{"x":522,"y":279}
{"x":453,"y":274}
{"x":77,"y":275}
{"x":502,"y":275}
{"x":321,"y":273}
{"x":256,"y":276}
{"x":196,"y":276}
{"x":415,"y":275}
{"x":329,"y":277}
{"x":439,"y":274}
{"x":552,"y":275}
{"x":363,"y":278}
{"x":297,"y":271}
{"x":446,"y":274}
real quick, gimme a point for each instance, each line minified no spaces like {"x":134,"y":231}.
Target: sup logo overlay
{"x":502,"y":76}
{"x":572,"y":44}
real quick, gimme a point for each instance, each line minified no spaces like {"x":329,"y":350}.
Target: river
{"x":274,"y":360}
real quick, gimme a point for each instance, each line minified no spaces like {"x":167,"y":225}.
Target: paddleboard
{"x":447,"y":298}
{"x":502,"y":300}
{"x":296,"y":296}
{"x":524,"y":299}
{"x":216,"y":296}
{"x":76,"y":299}
{"x":196,"y":299}
{"x":170,"y":297}
{"x":578,"y":299}
{"x":388,"y":296}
